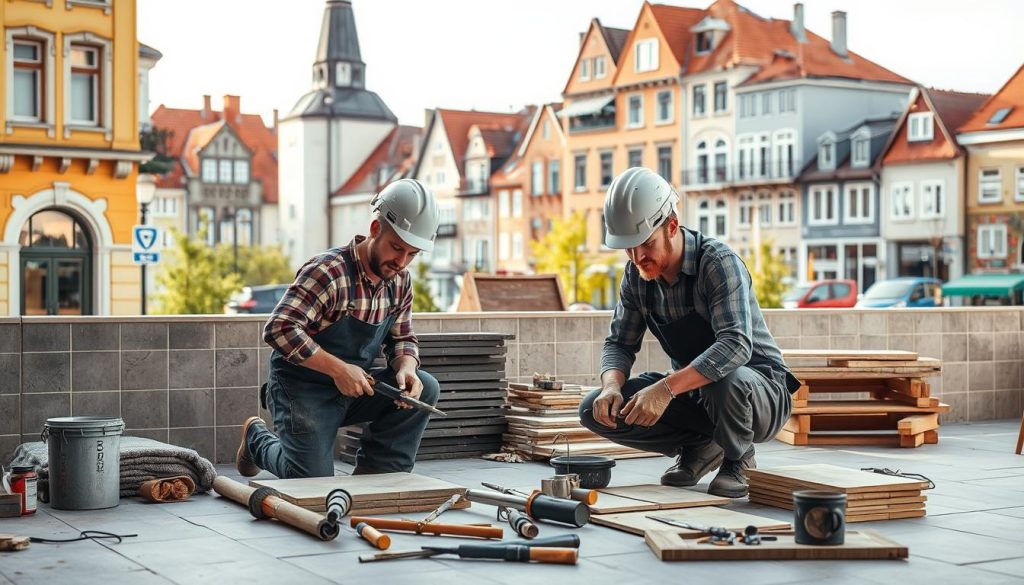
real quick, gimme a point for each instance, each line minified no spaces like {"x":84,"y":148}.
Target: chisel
{"x":389,"y":391}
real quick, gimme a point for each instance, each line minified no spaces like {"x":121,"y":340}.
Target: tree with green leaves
{"x":562,"y":251}
{"x":256,"y":265}
{"x":192,"y":279}
{"x":422,"y":299}
{"x":769,"y":274}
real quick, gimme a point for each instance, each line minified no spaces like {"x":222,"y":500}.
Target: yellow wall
{"x":1006,"y":156}
{"x":4,"y":276}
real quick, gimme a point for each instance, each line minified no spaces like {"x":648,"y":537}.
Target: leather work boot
{"x":731,"y":481}
{"x":693,"y":463}
{"x":243,"y":460}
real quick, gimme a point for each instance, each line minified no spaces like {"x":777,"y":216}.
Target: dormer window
{"x":1000,"y":115}
{"x":861,"y":152}
{"x":920,"y":127}
{"x":343,"y":74}
{"x":646,"y":55}
{"x":705,"y":42}
{"x":707,"y":32}
{"x":827,"y":156}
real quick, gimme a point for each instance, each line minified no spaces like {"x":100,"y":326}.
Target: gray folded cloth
{"x":141,"y":460}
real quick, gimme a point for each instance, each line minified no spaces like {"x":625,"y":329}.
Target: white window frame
{"x":504,"y":246}
{"x":208,"y":170}
{"x":658,"y":120}
{"x":830,"y":148}
{"x":577,"y":176}
{"x":629,"y":156}
{"x":927,"y":207}
{"x":905,"y":191}
{"x":600,"y":67}
{"x":766,"y":100}
{"x":860,"y":159}
{"x":704,"y":106}
{"x":787,"y":209}
{"x":517,"y":245}
{"x":584,"y":69}
{"x":639,"y":122}
{"x":725,"y":96}
{"x":780,"y":140}
{"x":503,"y":204}
{"x":554,"y":172}
{"x":517,"y":203}
{"x":746,"y":210}
{"x":222,"y":166}
{"x":47,"y":100}
{"x":105,"y":87}
{"x":820,"y":192}
{"x":704,"y":215}
{"x":1019,"y":190}
{"x":721,"y":209}
{"x":243,"y":177}
{"x":37,"y":67}
{"x":764,"y":208}
{"x":863,"y":216}
{"x":746,"y":150}
{"x":650,"y":46}
{"x":996,"y":180}
{"x":996,"y":236}
{"x":920,"y":127}
{"x":537,"y":178}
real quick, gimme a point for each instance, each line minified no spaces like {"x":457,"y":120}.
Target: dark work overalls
{"x":747,"y":406}
{"x":308,"y":409}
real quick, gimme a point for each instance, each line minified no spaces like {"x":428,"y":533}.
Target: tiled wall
{"x":192,"y":380}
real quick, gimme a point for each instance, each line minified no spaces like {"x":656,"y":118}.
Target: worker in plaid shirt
{"x":343,"y":308}
{"x":729,"y":387}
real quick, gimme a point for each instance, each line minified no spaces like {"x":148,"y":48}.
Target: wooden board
{"x":638,"y":522}
{"x":831,"y":477}
{"x":920,"y":362}
{"x":867,"y":498}
{"x":665,"y":497}
{"x":671,"y":545}
{"x":865,"y":407}
{"x":311,"y":491}
{"x":849,"y":354}
{"x":612,"y":504}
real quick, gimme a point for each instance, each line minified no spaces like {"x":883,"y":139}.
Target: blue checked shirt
{"x":723,"y":295}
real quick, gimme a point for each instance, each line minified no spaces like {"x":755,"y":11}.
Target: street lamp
{"x":145,"y":190}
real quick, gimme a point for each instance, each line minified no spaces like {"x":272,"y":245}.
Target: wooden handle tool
{"x":265,"y":503}
{"x":438,"y":529}
{"x":588,"y":497}
{"x":373,"y":536}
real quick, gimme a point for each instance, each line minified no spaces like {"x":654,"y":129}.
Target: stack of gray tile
{"x":470,"y":368}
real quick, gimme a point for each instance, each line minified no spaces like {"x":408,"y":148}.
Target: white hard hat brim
{"x":413,"y":240}
{"x":625,"y":242}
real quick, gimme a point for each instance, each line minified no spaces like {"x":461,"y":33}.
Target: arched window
{"x":702,"y":162}
{"x":746,"y":209}
{"x":56,"y":265}
{"x":703,"y":217}
{"x":721,"y":160}
{"x":721,"y":219}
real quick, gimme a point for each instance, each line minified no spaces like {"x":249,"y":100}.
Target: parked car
{"x":257,"y":299}
{"x":907,"y":291}
{"x":822,"y":294}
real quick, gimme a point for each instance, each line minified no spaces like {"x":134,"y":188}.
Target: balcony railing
{"x":446,"y":230}
{"x":717,"y":176}
{"x":474,"y":187}
{"x":587,"y":123}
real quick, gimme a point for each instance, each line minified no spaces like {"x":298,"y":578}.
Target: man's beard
{"x":652,"y":272}
{"x":376,"y":266}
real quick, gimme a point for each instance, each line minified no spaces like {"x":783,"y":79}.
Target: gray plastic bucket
{"x":85,"y":461}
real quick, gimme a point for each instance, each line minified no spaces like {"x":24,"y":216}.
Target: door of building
{"x":56,"y":259}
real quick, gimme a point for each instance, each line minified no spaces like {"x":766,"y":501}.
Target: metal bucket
{"x":85,"y":461}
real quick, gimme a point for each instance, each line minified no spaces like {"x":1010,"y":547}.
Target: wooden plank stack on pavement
{"x":470,"y":368}
{"x":870,"y":496}
{"x":384,"y":493}
{"x":537,"y":416}
{"x":898,"y":400}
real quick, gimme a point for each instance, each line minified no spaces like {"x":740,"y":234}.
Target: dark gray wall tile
{"x":143,"y":336}
{"x":46,"y":372}
{"x":10,"y":373}
{"x":155,"y":434}
{"x":199,"y":440}
{"x":8,"y":443}
{"x":234,"y":405}
{"x":36,"y":408}
{"x":95,"y":370}
{"x":191,"y":335}
{"x":46,"y":337}
{"x":95,"y":336}
{"x":10,"y":337}
{"x":191,"y":408}
{"x":143,"y":370}
{"x":144,"y":409}
{"x":10,"y":415}
{"x":237,"y":367}
{"x":96,"y":403}
{"x":191,"y":368}
{"x":233,"y":335}
{"x":228,"y":439}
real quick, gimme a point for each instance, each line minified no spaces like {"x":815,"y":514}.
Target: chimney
{"x":796,"y":28}
{"x":839,"y":33}
{"x":232,"y":107}
{"x":275,"y":120}
{"x":206,"y":108}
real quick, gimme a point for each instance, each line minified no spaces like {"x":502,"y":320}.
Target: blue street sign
{"x":145,"y":244}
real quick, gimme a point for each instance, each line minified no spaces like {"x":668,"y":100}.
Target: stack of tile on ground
{"x":895,"y":398}
{"x":870,"y":496}
{"x":383,"y":493}
{"x":470,"y":368}
{"x":537,"y":415}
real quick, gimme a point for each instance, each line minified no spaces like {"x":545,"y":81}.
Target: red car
{"x":823,"y":294}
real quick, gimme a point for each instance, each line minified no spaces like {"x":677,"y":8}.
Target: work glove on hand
{"x":646,"y":406}
{"x":607,"y":405}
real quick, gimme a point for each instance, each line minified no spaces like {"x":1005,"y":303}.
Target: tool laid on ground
{"x":265,"y":503}
{"x":470,"y":530}
{"x":393,"y":393}
{"x":519,"y":522}
{"x":717,"y":535}
{"x":536,"y":505}
{"x":447,"y":505}
{"x":338,"y":504}
{"x":557,"y":549}
{"x":373,"y":536}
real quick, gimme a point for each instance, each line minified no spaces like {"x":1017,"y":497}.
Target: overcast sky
{"x":500,"y":55}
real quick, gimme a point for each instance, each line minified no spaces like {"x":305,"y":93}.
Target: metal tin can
{"x":23,"y":481}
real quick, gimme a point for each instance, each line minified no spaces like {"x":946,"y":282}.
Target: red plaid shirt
{"x":327,"y":288}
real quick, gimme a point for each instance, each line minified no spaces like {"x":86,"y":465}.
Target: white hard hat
{"x":408,"y":206}
{"x":638,"y":201}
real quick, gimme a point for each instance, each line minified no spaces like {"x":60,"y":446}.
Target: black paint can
{"x":819,"y":517}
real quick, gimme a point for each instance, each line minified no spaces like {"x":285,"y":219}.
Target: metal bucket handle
{"x":568,"y":456}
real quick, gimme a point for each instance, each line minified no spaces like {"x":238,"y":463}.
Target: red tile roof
{"x":1011,"y":95}
{"x":398,"y":152}
{"x":251,"y":130}
{"x":458,"y":122}
{"x":675,"y":23}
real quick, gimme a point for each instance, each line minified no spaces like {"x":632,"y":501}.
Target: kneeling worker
{"x":729,"y":387}
{"x":344,"y":306}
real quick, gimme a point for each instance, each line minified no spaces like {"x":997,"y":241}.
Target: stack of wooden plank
{"x":470,"y":368}
{"x":891,"y":393}
{"x":384,"y":493}
{"x":537,"y":416}
{"x":870,"y":496}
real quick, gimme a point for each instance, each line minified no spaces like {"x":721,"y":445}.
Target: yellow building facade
{"x":69,"y":156}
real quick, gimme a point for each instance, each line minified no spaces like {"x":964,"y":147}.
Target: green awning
{"x":993,"y":285}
